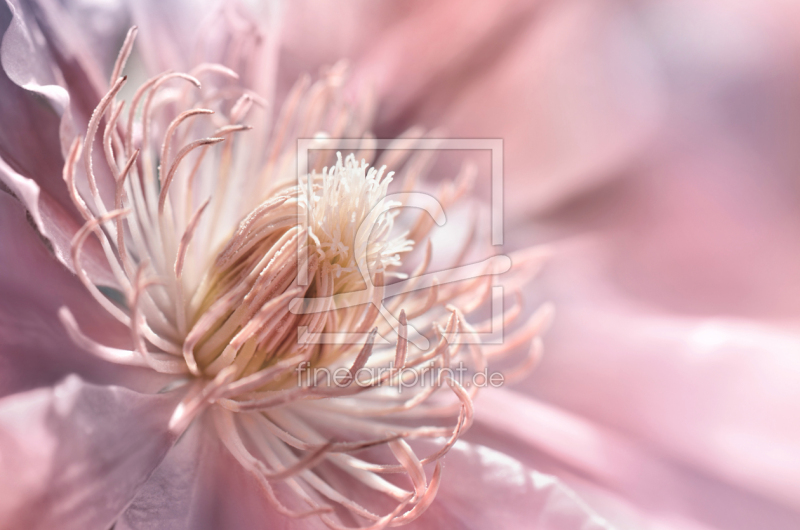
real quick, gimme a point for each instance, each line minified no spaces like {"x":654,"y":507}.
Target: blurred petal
{"x":32,"y":147}
{"x":482,"y":488}
{"x":64,"y":54}
{"x":57,"y":224}
{"x":663,"y":492}
{"x":25,"y":56}
{"x":706,"y":220}
{"x":73,"y":456}
{"x":169,"y":31}
{"x":570,"y":87}
{"x":34,"y":347}
{"x":179,"y":35}
{"x":30,"y":152}
{"x":200,"y":486}
{"x":718,"y":394}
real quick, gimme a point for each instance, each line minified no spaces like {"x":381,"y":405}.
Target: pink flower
{"x":650,"y":142}
{"x":182,"y":219}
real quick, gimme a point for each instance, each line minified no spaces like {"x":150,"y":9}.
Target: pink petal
{"x":32,"y":147}
{"x":30,"y":152}
{"x":25,"y":56}
{"x":570,"y":87}
{"x":34,"y":347}
{"x":179,"y":35}
{"x":482,"y":488}
{"x":718,"y":394}
{"x":73,"y":456}
{"x":659,"y":491}
{"x":57,"y":224}
{"x":46,"y":50}
{"x":63,"y":51}
{"x":200,"y":486}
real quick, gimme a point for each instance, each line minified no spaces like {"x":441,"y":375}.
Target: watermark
{"x":418,"y":378}
{"x":492,"y":266}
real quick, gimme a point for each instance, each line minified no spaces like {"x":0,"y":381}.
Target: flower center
{"x":348,"y":223}
{"x":267,"y":294}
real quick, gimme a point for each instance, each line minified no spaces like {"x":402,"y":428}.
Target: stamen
{"x":186,"y":239}
{"x":108,"y":136}
{"x":204,"y":68}
{"x":114,"y":355}
{"x":262,"y":377}
{"x":183,"y":116}
{"x":88,"y":143}
{"x":535,"y":326}
{"x":425,"y":501}
{"x":405,"y":455}
{"x":148,"y":102}
{"x":162,"y":198}
{"x":217,"y":295}
{"x":124,"y":54}
{"x":77,"y":247}
{"x":122,"y":249}
{"x":401,"y":352}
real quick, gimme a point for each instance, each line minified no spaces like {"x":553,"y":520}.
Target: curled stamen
{"x":88,"y":143}
{"x":262,"y":377}
{"x":426,"y":500}
{"x":124,"y":54}
{"x":251,"y":327}
{"x":114,"y":355}
{"x":193,"y":404}
{"x":186,"y":239}
{"x":162,"y":198}
{"x":77,"y":247}
{"x":526,"y":367}
{"x":233,"y":442}
{"x":183,"y":116}
{"x":509,"y":317}
{"x":535,"y":326}
{"x":361,"y":358}
{"x":430,"y":301}
{"x":401,"y":352}
{"x":405,"y":455}
{"x":148,"y":102}
{"x":121,"y":248}
{"x":246,"y":291}
{"x":380,"y":524}
{"x":69,"y":178}
{"x":172,"y":365}
{"x":108,"y":137}
{"x":229,"y":129}
{"x":204,"y":68}
{"x":241,"y":108}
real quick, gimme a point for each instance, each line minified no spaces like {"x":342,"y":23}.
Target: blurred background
{"x":669,"y":127}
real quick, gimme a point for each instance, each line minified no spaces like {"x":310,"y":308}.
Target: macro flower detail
{"x":240,"y":289}
{"x":262,"y":296}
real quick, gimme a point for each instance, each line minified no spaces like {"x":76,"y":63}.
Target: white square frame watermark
{"x":493,"y":145}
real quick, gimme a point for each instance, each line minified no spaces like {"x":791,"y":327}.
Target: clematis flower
{"x":207,"y":293}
